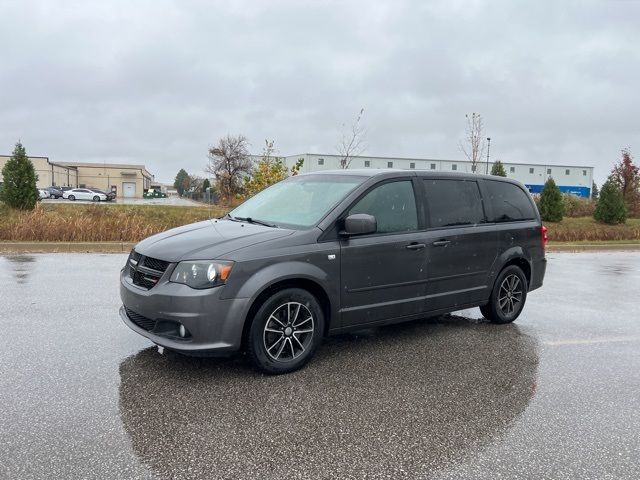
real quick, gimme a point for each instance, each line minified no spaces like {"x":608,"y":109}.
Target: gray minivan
{"x":328,"y":252}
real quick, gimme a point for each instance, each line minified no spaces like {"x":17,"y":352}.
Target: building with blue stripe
{"x":571,"y":179}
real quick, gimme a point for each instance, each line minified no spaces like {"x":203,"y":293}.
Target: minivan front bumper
{"x":214,"y":325}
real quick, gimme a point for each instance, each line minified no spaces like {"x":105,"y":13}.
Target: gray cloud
{"x":156,"y":82}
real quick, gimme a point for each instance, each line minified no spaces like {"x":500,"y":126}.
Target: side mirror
{"x":359,"y":224}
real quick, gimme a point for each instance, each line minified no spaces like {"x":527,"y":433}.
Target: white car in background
{"x":84,"y":194}
{"x":43,"y":194}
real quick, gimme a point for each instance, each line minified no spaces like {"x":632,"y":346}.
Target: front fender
{"x":267,"y":275}
{"x":275,"y":273}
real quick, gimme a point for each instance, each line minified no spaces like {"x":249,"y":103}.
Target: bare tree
{"x":474,"y":142}
{"x":351,"y":141}
{"x":192,"y":183}
{"x":229,"y":162}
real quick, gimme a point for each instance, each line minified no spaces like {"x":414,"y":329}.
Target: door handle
{"x":415,"y":246}
{"x":441,"y":243}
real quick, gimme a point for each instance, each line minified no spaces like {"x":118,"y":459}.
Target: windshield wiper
{"x":250,"y":220}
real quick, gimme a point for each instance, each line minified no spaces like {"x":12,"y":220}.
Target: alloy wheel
{"x":288,"y":332}
{"x":510,"y":295}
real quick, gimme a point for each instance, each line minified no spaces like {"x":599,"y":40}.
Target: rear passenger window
{"x":453,"y":202}
{"x":509,"y":202}
{"x":394,"y":206}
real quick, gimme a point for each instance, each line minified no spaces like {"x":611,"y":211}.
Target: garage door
{"x":129,"y":189}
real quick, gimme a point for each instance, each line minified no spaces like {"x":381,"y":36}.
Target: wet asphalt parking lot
{"x":555,"y":395}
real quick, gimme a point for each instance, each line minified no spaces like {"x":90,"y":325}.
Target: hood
{"x":207,"y":240}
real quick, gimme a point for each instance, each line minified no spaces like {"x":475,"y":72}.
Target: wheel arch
{"x":304,"y":283}
{"x":523,"y":264}
{"x":514,"y":256}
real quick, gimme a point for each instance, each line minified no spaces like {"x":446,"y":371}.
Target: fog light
{"x":182,"y":331}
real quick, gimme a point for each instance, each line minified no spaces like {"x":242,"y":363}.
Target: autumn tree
{"x":229,"y":162}
{"x":625,"y":175}
{"x":192,"y":183}
{"x":19,"y":189}
{"x":551,"y":205}
{"x":498,"y":169}
{"x":178,"y":183}
{"x":352,"y":141}
{"x":474,"y":142}
{"x":269,"y":170}
{"x":610,"y":207}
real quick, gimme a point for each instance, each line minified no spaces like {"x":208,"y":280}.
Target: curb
{"x":66,"y":247}
{"x":594,"y":247}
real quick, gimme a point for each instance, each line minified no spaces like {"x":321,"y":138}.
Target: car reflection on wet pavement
{"x":554,"y":395}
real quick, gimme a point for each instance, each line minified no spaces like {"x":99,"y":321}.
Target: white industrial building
{"x":576,"y":180}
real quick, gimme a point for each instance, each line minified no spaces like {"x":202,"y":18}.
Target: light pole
{"x":488,"y":148}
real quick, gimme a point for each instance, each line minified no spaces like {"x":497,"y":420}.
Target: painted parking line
{"x":592,"y":341}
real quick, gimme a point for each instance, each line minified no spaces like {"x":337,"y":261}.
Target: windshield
{"x":298,"y":202}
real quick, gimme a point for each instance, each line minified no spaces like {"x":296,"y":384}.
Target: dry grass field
{"x":131,"y":223}
{"x":586,"y":229}
{"x":89,"y":223}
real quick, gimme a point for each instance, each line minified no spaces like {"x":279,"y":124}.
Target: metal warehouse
{"x":129,"y":181}
{"x":576,"y":180}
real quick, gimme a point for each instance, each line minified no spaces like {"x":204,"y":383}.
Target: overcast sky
{"x":157,"y":82}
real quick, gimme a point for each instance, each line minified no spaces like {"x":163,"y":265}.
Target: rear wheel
{"x":285,"y":331}
{"x":72,"y":197}
{"x":508,"y":296}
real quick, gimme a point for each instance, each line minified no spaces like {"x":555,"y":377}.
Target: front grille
{"x":144,"y":280}
{"x":140,"y":320}
{"x":145,"y":271}
{"x":155,"y":264}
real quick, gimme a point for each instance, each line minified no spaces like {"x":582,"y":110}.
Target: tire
{"x":72,"y":198}
{"x":508,"y":296}
{"x":273,"y":344}
{"x":96,"y":198}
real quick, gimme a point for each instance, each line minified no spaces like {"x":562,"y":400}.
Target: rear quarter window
{"x":509,"y":202}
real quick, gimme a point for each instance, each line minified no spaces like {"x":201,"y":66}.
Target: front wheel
{"x":72,"y":198}
{"x":285,"y":331}
{"x":96,"y":198}
{"x":508,"y":296}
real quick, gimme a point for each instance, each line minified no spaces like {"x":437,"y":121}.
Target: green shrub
{"x":551,"y":205}
{"x":578,"y":206}
{"x":610,"y":208}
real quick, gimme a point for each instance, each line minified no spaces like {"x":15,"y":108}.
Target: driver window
{"x":393,"y":205}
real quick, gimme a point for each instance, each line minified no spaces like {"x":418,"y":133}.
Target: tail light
{"x":544,"y":238}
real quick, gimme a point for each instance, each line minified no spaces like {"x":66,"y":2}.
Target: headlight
{"x":202,"y":273}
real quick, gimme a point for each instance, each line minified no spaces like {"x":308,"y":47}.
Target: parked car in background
{"x":54,"y":192}
{"x":154,"y":193}
{"x":84,"y":194}
{"x":328,"y":252}
{"x":110,"y":195}
{"x":42,"y":194}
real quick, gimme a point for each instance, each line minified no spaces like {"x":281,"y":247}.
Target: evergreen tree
{"x":19,"y":190}
{"x":610,"y":207}
{"x":594,"y":191}
{"x":180,"y":181}
{"x":551,"y":204}
{"x":498,"y":169}
{"x":206,"y":184}
{"x":626,"y":177}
